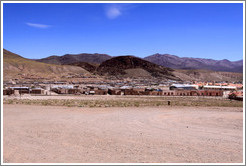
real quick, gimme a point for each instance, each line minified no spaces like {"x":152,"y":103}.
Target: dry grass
{"x":130,"y":102}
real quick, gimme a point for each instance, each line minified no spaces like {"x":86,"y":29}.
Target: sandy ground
{"x":122,"y":135}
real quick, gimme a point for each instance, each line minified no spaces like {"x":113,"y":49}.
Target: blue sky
{"x":201,"y":30}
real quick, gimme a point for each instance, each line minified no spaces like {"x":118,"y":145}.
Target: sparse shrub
{"x":136,"y":104}
{"x":131,"y":102}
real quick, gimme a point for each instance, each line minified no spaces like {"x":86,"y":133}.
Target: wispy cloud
{"x":43,"y":26}
{"x":113,"y":11}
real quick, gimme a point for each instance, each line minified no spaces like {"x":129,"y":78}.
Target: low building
{"x":114,"y":91}
{"x":183,"y":87}
{"x":144,"y":92}
{"x":169,"y":93}
{"x":129,"y":92}
{"x":20,"y":90}
{"x":8,"y":92}
{"x":37,"y":91}
{"x":236,"y":95}
{"x":65,"y":91}
{"x":101,"y":92}
{"x":214,"y":87}
{"x":62,"y":86}
{"x":155,"y":93}
{"x":138,"y":89}
{"x":199,"y":93}
{"x":72,"y":91}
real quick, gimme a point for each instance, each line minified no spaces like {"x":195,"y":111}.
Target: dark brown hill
{"x":176,"y":62}
{"x":129,"y":65}
{"x":75,"y":58}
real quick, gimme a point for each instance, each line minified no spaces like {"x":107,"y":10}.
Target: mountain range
{"x":166,"y":60}
{"x":176,"y":62}
{"x":101,"y":65}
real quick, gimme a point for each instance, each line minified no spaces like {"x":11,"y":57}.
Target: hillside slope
{"x":207,"y":75}
{"x":16,"y":67}
{"x":87,"y":66}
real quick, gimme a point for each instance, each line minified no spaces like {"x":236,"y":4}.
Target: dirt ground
{"x":53,"y":134}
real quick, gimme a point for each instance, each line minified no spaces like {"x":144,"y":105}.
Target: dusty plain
{"x":161,"y":134}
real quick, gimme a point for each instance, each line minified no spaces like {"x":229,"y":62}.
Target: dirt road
{"x":47,"y":134}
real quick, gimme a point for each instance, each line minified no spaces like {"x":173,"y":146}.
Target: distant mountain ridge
{"x":176,"y":62}
{"x":166,"y":60}
{"x":75,"y":58}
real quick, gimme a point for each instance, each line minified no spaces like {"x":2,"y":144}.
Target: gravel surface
{"x":53,"y":134}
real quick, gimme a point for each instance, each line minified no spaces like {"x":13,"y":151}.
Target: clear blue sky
{"x":186,"y":30}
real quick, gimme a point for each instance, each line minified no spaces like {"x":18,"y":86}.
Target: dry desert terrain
{"x":56,"y":134}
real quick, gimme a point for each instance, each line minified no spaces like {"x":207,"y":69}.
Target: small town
{"x":123,"y":82}
{"x":133,"y":87}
